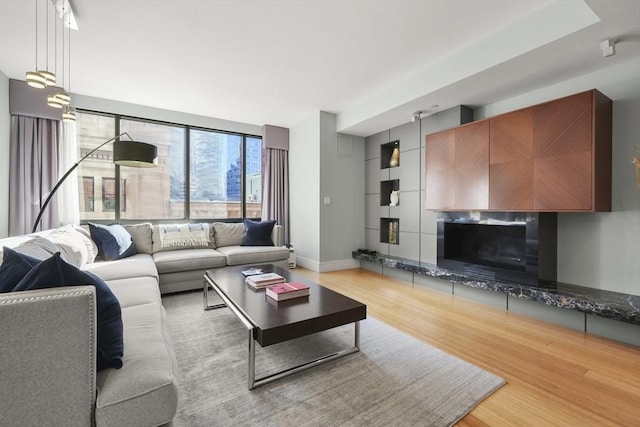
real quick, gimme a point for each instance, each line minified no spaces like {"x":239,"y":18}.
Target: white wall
{"x":5,"y":131}
{"x":323,"y":164}
{"x":304,"y":190}
{"x":143,"y":111}
{"x":342,"y":180}
{"x":600,"y":250}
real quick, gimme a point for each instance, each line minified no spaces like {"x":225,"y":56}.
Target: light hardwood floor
{"x":555,"y":376}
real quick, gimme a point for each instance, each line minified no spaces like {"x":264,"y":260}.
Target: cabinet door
{"x":440,"y":164}
{"x":511,"y":161}
{"x":472,"y":166}
{"x":562,"y":152}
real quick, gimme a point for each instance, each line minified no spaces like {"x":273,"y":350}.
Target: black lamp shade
{"x":134,"y":154}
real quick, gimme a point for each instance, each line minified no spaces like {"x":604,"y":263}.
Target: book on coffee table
{"x":285,"y":291}
{"x":263,"y":280}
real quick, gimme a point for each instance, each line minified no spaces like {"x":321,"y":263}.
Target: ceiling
{"x":371,"y":62}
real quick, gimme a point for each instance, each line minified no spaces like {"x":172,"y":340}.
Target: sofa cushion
{"x":92,"y":249}
{"x":14,"y":267}
{"x":53,"y":273}
{"x":135,"y":291}
{"x":228,"y":233}
{"x":141,"y":236}
{"x":72,"y":245}
{"x":258,"y":233}
{"x":114,"y":242}
{"x":237,"y":255}
{"x":139,"y":265}
{"x":186,"y":260}
{"x":40,"y":248}
{"x":144,"y":391}
{"x":157,"y":244}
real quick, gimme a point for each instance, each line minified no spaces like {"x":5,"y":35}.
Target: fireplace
{"x":505,"y":246}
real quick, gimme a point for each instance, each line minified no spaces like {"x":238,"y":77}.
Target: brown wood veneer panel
{"x":511,"y":161}
{"x":472,"y":166}
{"x":511,"y":186}
{"x":440,"y":164}
{"x":562,"y":182}
{"x":562,"y":126}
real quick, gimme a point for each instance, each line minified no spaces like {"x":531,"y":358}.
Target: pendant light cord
{"x":46,"y":46}
{"x":36,"y":35}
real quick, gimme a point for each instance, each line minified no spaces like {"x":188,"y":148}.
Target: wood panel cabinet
{"x":572,"y":154}
{"x":550,"y":157}
{"x":472,"y":166}
{"x":511,"y":161}
{"x":440,"y":170}
{"x":457,"y":168}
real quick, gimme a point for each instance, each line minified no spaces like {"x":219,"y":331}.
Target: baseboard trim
{"x":323,"y":267}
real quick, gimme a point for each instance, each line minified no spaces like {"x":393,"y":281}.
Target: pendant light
{"x":34,"y":78}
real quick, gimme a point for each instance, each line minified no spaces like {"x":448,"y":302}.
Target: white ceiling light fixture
{"x":65,"y":12}
{"x":608,"y":47}
{"x":416,"y":116}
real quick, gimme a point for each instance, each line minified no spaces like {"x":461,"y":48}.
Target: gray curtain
{"x":275,"y":188}
{"x":33,"y":172}
{"x":275,"y":176}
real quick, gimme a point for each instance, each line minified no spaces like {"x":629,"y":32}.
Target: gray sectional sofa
{"x":48,"y":352}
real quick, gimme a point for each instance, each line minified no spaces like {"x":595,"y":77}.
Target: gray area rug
{"x":395,"y":379}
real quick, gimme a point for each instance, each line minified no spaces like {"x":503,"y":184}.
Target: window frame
{"x":187,"y":199}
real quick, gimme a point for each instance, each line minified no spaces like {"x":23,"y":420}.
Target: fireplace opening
{"x":510,"y":246}
{"x":500,"y":246}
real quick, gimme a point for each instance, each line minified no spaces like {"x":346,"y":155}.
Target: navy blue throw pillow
{"x":258,"y":233}
{"x":14,"y":267}
{"x":113,"y":241}
{"x":54,"y":273}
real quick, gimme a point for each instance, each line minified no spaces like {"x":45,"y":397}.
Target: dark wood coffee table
{"x":270,"y":322}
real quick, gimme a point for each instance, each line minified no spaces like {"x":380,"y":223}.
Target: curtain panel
{"x":34,"y":170}
{"x":275,"y":191}
{"x":275,"y":176}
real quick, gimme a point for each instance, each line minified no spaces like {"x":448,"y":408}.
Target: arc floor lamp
{"x":125,"y":153}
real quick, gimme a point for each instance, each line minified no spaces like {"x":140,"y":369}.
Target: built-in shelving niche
{"x":390,"y":231}
{"x":386,"y":187}
{"x":387,"y":153}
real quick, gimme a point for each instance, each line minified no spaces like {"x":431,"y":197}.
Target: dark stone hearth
{"x":611,"y":305}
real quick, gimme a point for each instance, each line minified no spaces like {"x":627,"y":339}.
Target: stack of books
{"x":260,"y":281}
{"x":285,"y":291}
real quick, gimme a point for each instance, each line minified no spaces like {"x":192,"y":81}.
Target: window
{"x":93,"y":130}
{"x":87,"y":193}
{"x":253,"y":177}
{"x":156,"y":193}
{"x":108,"y":194}
{"x":224,"y":172}
{"x":216,"y":174}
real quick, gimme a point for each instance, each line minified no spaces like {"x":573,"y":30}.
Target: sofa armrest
{"x":47,"y":356}
{"x":277,"y":235}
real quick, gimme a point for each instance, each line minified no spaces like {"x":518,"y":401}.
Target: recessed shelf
{"x":390,"y":231}
{"x":386,"y":187}
{"x":390,"y":155}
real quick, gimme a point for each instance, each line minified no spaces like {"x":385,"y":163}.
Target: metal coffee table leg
{"x":257,"y":382}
